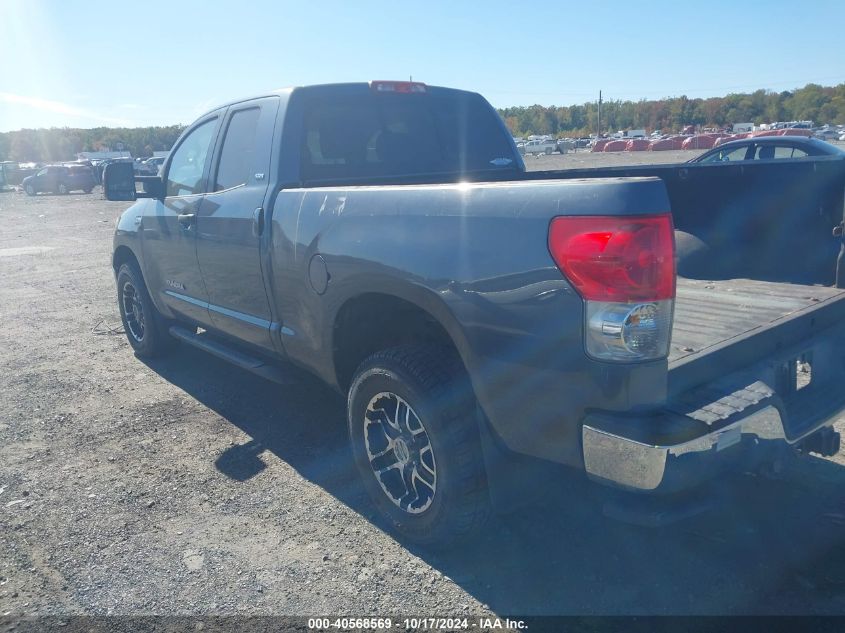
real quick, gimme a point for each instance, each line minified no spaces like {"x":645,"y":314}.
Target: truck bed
{"x":723,"y":326}
{"x":709,"y":314}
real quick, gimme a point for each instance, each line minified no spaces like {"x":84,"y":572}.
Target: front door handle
{"x":258,"y":222}
{"x":186,"y":219}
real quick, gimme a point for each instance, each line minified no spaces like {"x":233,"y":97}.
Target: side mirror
{"x":153,"y":186}
{"x":119,"y":182}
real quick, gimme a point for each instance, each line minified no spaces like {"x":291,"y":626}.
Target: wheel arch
{"x":372,"y":321}
{"x":123,"y":255}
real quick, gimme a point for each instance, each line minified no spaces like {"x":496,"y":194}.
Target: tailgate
{"x":789,"y":336}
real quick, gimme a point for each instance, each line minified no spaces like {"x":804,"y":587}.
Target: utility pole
{"x":598,"y":132}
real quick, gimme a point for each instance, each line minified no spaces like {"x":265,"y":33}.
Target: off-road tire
{"x":152,"y":338}
{"x":433,"y":382}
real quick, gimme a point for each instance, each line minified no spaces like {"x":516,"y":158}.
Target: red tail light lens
{"x":613,"y":258}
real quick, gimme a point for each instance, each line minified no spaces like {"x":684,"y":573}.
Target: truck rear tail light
{"x":398,"y":86}
{"x":624,"y":268}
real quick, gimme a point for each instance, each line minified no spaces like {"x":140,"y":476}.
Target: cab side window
{"x":727,"y":155}
{"x":238,"y":154}
{"x":788,"y":151}
{"x":184,"y":176}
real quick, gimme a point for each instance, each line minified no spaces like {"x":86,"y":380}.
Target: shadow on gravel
{"x":772,"y":547}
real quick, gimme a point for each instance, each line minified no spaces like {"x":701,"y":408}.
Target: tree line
{"x":60,"y":144}
{"x":813,"y":102}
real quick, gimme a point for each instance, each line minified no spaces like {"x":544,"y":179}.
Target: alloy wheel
{"x":133,"y":312}
{"x":400,"y":453}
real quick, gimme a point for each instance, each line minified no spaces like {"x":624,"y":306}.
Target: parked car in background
{"x":539,"y":146}
{"x":155,"y":163}
{"x":826,"y":134}
{"x":60,"y":179}
{"x":149,"y":166}
{"x":565,"y":145}
{"x":740,"y":128}
{"x":768,"y":147}
{"x":7,"y":171}
{"x":100,"y":165}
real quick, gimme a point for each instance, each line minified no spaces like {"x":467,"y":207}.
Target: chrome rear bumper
{"x":611,"y":456}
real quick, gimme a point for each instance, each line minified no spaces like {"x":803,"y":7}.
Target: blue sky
{"x":148,"y":62}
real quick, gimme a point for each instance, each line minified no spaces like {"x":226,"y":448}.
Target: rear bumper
{"x":737,"y":422}
{"x":666,"y":459}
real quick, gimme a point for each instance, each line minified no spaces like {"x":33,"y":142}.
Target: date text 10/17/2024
{"x":415,"y":624}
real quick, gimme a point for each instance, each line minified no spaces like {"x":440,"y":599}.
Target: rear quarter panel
{"x":475,"y":257}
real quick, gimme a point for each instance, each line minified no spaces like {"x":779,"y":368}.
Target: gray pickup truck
{"x":387,"y":238}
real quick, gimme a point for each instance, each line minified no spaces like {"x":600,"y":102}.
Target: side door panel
{"x":169,"y":230}
{"x":51,"y":181}
{"x":229,"y":236}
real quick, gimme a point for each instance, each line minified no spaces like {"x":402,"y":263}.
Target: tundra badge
{"x":174,"y":284}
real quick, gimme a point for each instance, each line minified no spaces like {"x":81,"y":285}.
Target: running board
{"x":230,"y":354}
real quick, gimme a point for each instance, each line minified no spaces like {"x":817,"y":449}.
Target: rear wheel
{"x":145,"y":328}
{"x":548,"y":151}
{"x":414,"y":436}
{"x":88,"y":189}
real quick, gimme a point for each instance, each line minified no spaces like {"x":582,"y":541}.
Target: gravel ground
{"x":187,"y":486}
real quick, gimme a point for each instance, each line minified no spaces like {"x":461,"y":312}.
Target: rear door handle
{"x":186,"y":219}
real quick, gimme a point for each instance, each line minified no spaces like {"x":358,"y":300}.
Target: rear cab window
{"x":370,"y":136}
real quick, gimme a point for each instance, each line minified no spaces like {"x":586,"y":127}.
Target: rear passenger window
{"x":238,"y":153}
{"x":785,"y":151}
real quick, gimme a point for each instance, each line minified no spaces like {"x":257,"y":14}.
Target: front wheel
{"x":145,"y":328}
{"x":88,"y":189}
{"x":414,"y":436}
{"x":30,"y":190}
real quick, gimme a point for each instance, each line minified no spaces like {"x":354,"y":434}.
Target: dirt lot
{"x":188,"y":486}
{"x":585,"y":158}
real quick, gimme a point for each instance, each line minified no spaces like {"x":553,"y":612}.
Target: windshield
{"x":380,"y":135}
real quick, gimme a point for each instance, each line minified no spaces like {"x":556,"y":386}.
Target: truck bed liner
{"x":711,"y":313}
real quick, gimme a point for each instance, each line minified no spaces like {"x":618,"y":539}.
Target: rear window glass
{"x":373,"y":136}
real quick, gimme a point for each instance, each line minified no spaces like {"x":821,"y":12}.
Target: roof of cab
{"x":348,"y":86}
